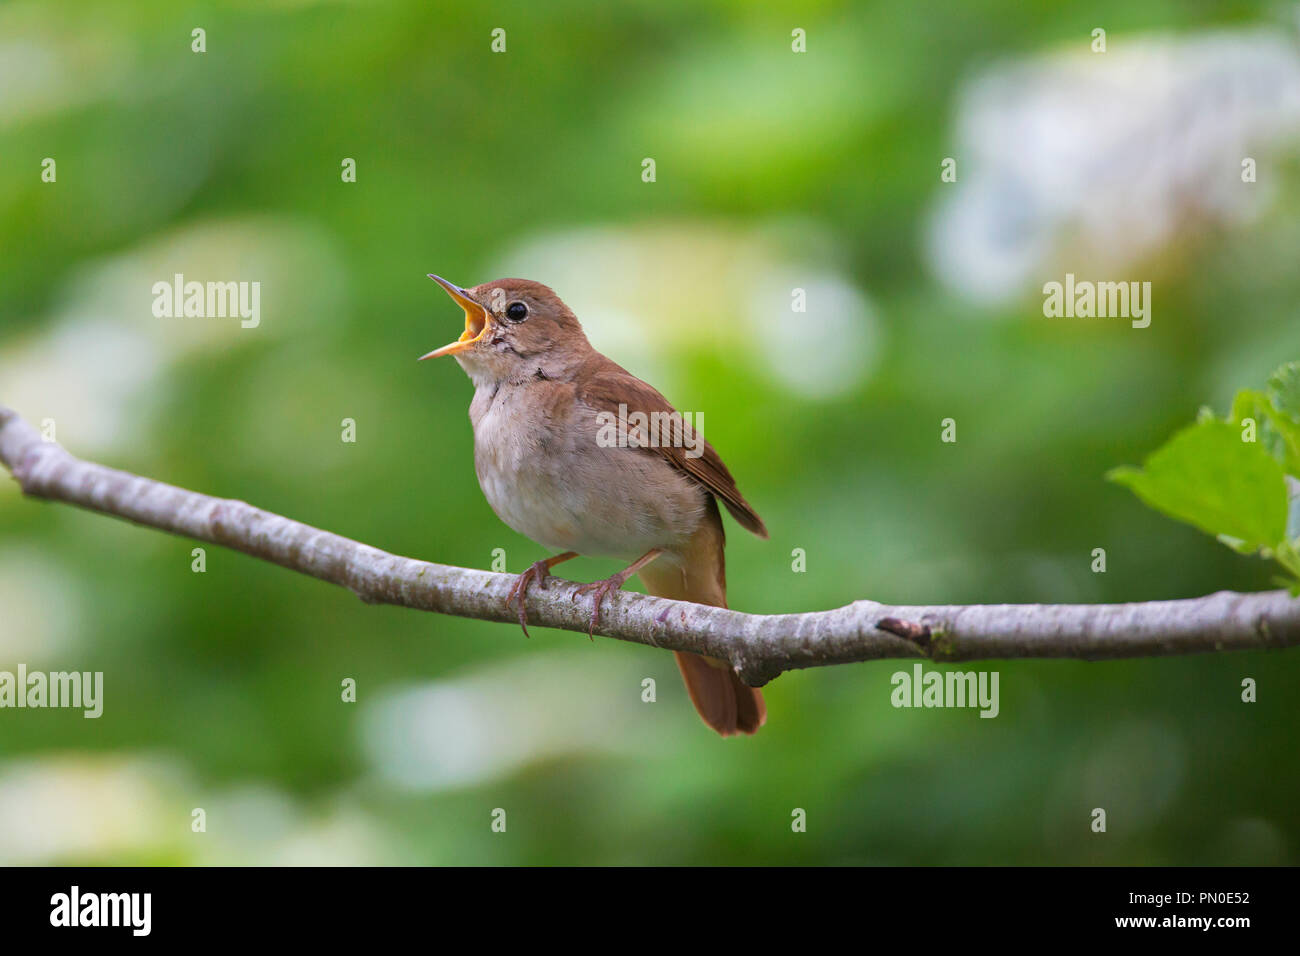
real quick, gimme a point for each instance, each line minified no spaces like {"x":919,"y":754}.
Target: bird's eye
{"x":516,"y":312}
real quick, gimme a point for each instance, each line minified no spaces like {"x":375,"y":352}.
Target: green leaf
{"x":1284,"y":397}
{"x":1274,"y":429}
{"x":1248,"y":403}
{"x":1293,"y":509}
{"x":1284,"y":390}
{"x":1208,"y":477}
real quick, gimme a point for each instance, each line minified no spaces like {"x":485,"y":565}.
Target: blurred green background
{"x":775,"y":170}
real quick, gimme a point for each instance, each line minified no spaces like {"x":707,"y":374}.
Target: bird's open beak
{"x":476,"y":321}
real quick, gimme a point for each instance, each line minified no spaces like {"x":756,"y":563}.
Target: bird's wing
{"x":605,"y":385}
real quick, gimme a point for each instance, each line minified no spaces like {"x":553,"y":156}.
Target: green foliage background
{"x":222,"y":689}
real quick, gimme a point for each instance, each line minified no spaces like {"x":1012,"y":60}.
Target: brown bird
{"x":554,"y":467}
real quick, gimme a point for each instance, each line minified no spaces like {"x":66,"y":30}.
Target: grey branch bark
{"x":759,"y":646}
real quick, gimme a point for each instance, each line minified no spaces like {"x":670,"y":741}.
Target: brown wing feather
{"x":605,"y":384}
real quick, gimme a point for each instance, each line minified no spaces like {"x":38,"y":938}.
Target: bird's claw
{"x":601,"y":588}
{"x":519,"y":590}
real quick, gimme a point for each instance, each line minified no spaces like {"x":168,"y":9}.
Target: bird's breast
{"x":545,"y":474}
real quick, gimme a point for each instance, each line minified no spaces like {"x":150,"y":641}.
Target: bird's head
{"x":514,"y":328}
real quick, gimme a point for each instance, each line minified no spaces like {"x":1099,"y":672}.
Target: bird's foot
{"x":600,"y":589}
{"x":539,"y":572}
{"x":613,"y":583}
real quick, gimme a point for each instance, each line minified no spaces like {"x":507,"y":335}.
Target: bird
{"x":542,"y":394}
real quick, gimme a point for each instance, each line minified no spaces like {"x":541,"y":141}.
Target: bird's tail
{"x":723,"y":700}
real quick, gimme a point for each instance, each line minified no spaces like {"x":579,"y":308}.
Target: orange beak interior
{"x":476,"y":321}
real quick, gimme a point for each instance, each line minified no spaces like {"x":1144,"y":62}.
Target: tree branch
{"x":760,"y":647}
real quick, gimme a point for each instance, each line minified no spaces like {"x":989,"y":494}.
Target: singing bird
{"x":541,"y":396}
